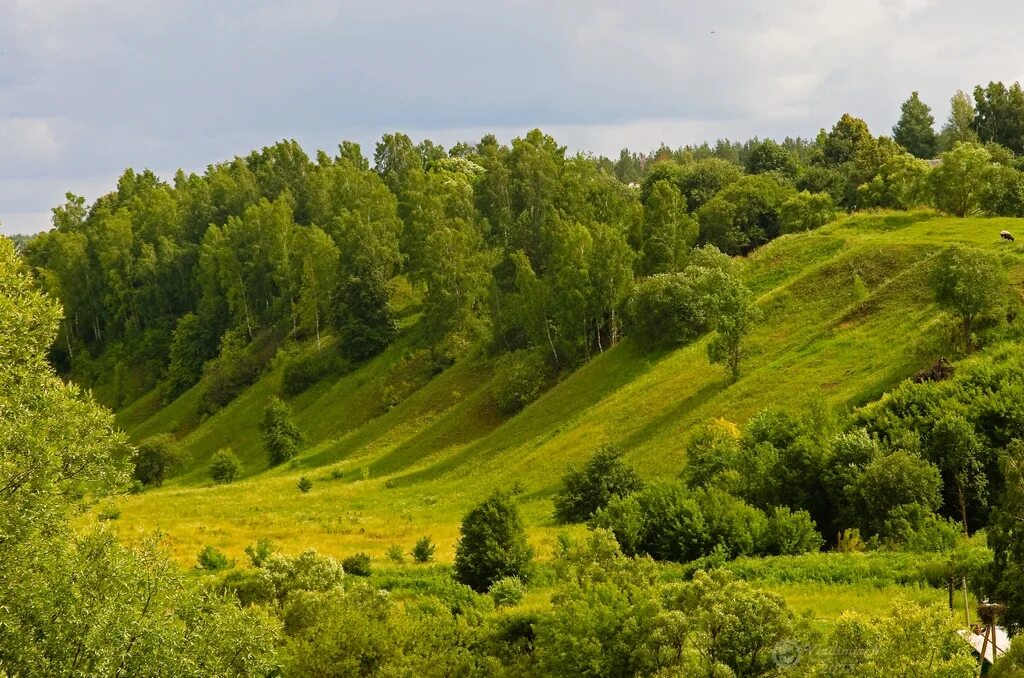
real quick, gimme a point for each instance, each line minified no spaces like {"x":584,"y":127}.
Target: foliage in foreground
{"x":82,"y":604}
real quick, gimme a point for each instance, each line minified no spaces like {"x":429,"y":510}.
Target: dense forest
{"x":539,"y":260}
{"x":514,"y":248}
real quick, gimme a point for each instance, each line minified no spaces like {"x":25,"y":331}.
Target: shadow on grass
{"x":568,"y":399}
{"x":674,"y":413}
{"x":434,"y":398}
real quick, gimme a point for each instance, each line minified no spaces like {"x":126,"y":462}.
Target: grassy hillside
{"x":396,"y":453}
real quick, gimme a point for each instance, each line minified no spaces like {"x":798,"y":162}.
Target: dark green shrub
{"x":493,"y":544}
{"x":791,"y":533}
{"x":190,"y":349}
{"x":881,"y":495}
{"x":157,"y":458}
{"x":665,"y":310}
{"x":212,"y":559}
{"x":224,"y":466}
{"x":423,"y":550}
{"x":237,"y":367}
{"x":302,"y":371}
{"x":670,"y":522}
{"x":519,"y":379}
{"x":507,"y":592}
{"x":605,"y":477}
{"x":281,"y":436}
{"x":304,"y":484}
{"x":357,"y":565}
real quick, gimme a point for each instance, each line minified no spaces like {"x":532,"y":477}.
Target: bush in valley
{"x":791,"y":533}
{"x":274,"y":576}
{"x":395,"y":554}
{"x":212,"y":559}
{"x":603,"y":478}
{"x":156,"y":458}
{"x":357,"y":565}
{"x":302,"y":371}
{"x":669,"y":521}
{"x":362,"y":631}
{"x":860,"y":645}
{"x":519,"y":379}
{"x":492,"y":544}
{"x":507,"y":592}
{"x":224,"y":466}
{"x":898,"y":488}
{"x":281,"y":436}
{"x":612,"y":614}
{"x":423,"y":550}
{"x":304,"y":484}
{"x":308,"y":571}
{"x":713,"y":450}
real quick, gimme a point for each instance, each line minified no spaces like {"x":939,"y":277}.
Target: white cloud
{"x":27,"y":141}
{"x":89,"y":87}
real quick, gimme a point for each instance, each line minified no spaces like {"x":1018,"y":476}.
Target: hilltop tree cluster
{"x":518,"y":247}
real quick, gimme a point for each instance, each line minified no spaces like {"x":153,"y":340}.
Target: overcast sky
{"x":88,"y":88}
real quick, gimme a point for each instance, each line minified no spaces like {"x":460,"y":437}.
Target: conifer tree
{"x":915,"y":129}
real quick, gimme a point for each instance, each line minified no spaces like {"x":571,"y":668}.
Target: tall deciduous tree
{"x":733,"y":315}
{"x":959,"y":125}
{"x":915,"y":129}
{"x":999,"y":114}
{"x":769,"y":156}
{"x":668,"y":231}
{"x":960,"y":183}
{"x":318,"y":258}
{"x":955,"y":447}
{"x":970,"y":283}
{"x":843,"y":142}
{"x":744,"y":215}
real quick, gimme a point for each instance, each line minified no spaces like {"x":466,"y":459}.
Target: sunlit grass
{"x":414,"y":468}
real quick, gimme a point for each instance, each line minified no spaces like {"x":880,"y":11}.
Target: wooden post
{"x":967,"y":611}
{"x":984,"y":648}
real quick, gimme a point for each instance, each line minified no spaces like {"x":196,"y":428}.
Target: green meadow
{"x":396,"y":452}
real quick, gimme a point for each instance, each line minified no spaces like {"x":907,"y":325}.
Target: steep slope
{"x":396,"y":452}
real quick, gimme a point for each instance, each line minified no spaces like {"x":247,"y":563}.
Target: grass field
{"x":388,"y":473}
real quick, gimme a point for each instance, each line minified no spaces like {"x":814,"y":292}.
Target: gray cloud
{"x":88,"y":88}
